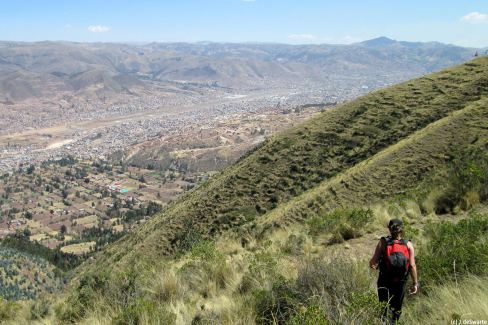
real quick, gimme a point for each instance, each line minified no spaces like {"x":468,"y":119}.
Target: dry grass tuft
{"x":165,"y":287}
{"x":463,"y":301}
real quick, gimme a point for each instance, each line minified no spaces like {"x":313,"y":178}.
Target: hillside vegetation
{"x":24,"y":276}
{"x":29,"y":270}
{"x":283,"y":235}
{"x":312,"y":154}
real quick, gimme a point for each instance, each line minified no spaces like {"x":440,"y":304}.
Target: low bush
{"x":207,"y":271}
{"x":143,"y":311}
{"x":262,"y":268}
{"x":206,"y":251}
{"x":81,"y":300}
{"x":277,"y":305}
{"x":363,"y":308}
{"x":39,"y":309}
{"x":8,"y":309}
{"x":188,"y":236}
{"x":326,"y":291}
{"x":117,"y":290}
{"x":309,"y":315}
{"x":294,"y":244}
{"x":467,"y":182}
{"x":454,"y":250}
{"x":341,"y":224}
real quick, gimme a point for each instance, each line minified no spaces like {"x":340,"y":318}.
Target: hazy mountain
{"x":40,"y":70}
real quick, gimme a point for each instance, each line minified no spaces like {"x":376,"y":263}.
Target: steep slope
{"x":268,"y":254}
{"x":302,"y":158}
{"x":259,"y":211}
{"x":394,"y":170}
{"x":23,"y":276}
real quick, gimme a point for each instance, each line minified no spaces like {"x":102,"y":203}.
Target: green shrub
{"x":118,"y":290}
{"x":294,"y":244}
{"x":143,"y":311}
{"x":341,"y":224}
{"x":277,"y":305}
{"x":188,"y":236}
{"x":207,"y":265}
{"x":467,"y":181}
{"x":326,"y":291}
{"x":310,"y":315}
{"x":332,"y":279}
{"x":364,"y":308}
{"x":262,"y":269}
{"x":82,"y":299}
{"x":39,"y":309}
{"x":8,"y":309}
{"x":410,"y":232}
{"x":341,"y":288}
{"x":206,"y":251}
{"x":454,"y":250}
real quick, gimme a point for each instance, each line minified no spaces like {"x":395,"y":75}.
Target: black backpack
{"x":395,"y":259}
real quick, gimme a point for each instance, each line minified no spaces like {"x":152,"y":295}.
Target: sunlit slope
{"x":393,"y":171}
{"x":24,"y":276}
{"x":308,"y":156}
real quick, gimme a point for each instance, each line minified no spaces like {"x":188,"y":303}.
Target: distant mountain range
{"x":94,"y":70}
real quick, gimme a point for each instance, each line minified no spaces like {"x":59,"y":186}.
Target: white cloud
{"x":98,"y":29}
{"x":302,"y":37}
{"x":348,"y":39}
{"x":475,"y":17}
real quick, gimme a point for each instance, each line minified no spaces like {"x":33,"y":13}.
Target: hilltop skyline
{"x":292,"y":22}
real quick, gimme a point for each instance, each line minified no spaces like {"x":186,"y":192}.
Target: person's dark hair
{"x":396,"y":227}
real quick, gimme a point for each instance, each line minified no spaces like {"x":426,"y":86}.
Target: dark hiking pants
{"x":391,"y":293}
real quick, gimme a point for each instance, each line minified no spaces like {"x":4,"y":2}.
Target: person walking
{"x":395,"y":258}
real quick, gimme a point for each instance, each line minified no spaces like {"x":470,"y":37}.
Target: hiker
{"x":395,"y":257}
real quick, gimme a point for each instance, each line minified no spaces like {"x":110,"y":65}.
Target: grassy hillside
{"x":283,"y":235}
{"x":394,"y":170}
{"x":29,"y":270}
{"x":23,"y":276}
{"x":300,"y":159}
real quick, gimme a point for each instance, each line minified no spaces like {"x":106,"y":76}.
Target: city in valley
{"x":101,"y":131}
{"x":243,"y":162}
{"x":70,"y":194}
{"x":96,"y":138}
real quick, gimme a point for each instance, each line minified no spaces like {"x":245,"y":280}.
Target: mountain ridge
{"x":41,"y":69}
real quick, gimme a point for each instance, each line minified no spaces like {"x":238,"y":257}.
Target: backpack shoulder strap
{"x":404,"y":241}
{"x":388,"y":240}
{"x":384,"y":244}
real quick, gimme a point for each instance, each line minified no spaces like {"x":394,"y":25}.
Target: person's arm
{"x":413,"y":269}
{"x":375,"y":260}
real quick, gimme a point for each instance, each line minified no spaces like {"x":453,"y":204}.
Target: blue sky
{"x":284,"y":21}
